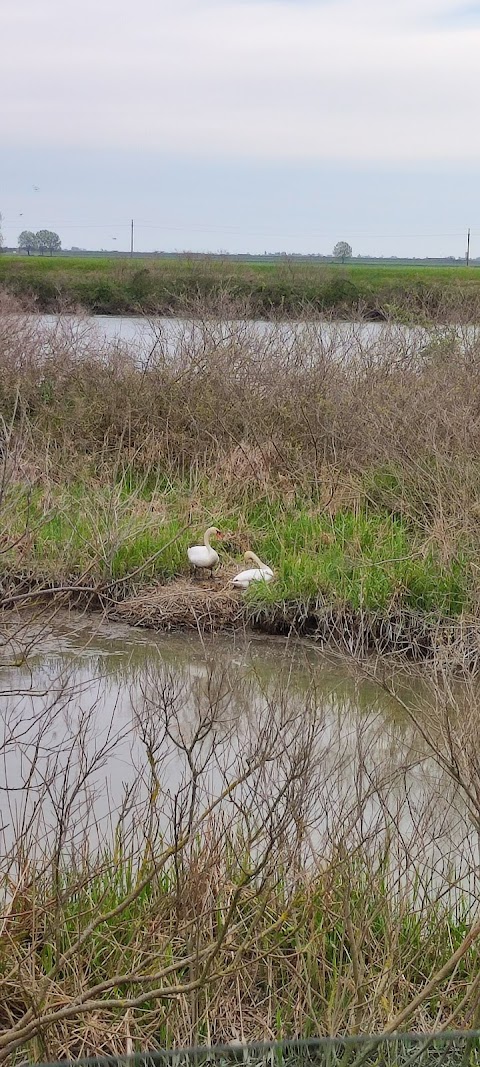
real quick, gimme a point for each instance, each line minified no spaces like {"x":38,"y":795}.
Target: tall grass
{"x":351,"y":465}
{"x":365,"y":560}
{"x":290,"y":944}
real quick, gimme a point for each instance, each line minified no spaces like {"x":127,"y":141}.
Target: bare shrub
{"x":273,"y":859}
{"x":305,"y":394}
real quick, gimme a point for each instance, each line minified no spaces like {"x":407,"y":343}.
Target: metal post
{"x":468,"y":247}
{"x":131,"y":238}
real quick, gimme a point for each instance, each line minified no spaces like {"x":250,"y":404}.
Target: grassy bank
{"x":288,"y":288}
{"x":353,"y":471}
{"x":357,"y":576}
{"x":354,"y":559}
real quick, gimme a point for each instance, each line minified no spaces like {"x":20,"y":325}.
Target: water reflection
{"x":103,"y":718}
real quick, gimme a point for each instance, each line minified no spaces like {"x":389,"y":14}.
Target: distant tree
{"x":342,"y":250}
{"x":48,"y":241}
{"x":27,"y":242}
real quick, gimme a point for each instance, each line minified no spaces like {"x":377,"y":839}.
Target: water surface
{"x":95,"y":703}
{"x":152,"y":337}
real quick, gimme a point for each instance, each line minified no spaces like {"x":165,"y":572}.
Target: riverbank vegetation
{"x":285,"y":289}
{"x":240,"y":889}
{"x":350,"y":464}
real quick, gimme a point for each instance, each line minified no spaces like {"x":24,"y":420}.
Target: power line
{"x":227,"y":228}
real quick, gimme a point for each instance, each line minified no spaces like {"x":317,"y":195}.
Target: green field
{"x":289,"y":287}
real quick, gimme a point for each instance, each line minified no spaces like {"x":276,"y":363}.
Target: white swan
{"x":204,"y":556}
{"x":260,"y":573}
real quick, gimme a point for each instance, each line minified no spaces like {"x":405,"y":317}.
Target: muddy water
{"x":95,"y":705}
{"x":157,"y":337}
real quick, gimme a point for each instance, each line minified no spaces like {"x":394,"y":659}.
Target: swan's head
{"x":213,"y":531}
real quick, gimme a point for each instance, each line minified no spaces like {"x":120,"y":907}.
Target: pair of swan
{"x":204,"y":557}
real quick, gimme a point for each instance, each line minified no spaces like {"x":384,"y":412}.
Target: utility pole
{"x":131,"y":238}
{"x":468,"y":247}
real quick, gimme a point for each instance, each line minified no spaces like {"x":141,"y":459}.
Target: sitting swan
{"x":204,"y":556}
{"x":260,"y":573}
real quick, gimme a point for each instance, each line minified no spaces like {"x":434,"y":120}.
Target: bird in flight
{"x":37,"y":188}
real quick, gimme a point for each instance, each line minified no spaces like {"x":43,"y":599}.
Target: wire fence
{"x":454,"y":1049}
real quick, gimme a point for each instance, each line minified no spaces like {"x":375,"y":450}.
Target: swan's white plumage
{"x":204,"y":556}
{"x":260,"y":573}
{"x":200,"y":556}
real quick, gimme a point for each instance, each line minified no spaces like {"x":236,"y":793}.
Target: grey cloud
{"x":272,"y":80}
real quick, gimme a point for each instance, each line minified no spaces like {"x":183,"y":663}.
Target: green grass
{"x":183,"y":266}
{"x":293,"y":971}
{"x":168,"y":285}
{"x":370,"y":559}
{"x":371,"y":563}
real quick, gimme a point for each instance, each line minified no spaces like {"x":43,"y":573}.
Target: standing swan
{"x":204,"y":557}
{"x":259,"y":573}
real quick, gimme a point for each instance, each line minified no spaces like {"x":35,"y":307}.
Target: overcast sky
{"x":242,"y":125}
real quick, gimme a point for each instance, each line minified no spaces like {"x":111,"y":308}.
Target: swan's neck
{"x":256,"y":560}
{"x":206,"y":539}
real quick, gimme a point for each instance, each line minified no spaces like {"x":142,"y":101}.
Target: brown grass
{"x":224,"y":416}
{"x":209,"y":606}
{"x":260,"y":408}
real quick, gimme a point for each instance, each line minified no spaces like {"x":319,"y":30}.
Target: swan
{"x":204,"y":557}
{"x":259,"y":573}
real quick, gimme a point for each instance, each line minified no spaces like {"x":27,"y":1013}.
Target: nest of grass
{"x":184,"y":604}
